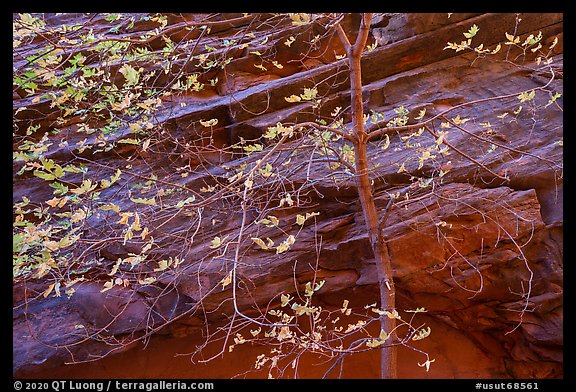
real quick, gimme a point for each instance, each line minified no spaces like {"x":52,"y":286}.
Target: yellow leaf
{"x":144,"y":234}
{"x":78,"y":216}
{"x":162,"y":265}
{"x":284,"y":333}
{"x":142,"y":200}
{"x":136,"y":224}
{"x":344,"y":306}
{"x":147,"y":247}
{"x":128,"y":236}
{"x":108,"y":286}
{"x":284,"y":299}
{"x":353,"y":327}
{"x":285,"y":245}
{"x":421,"y":114}
{"x":51,"y":245}
{"x":299,"y":19}
{"x":74,"y":281}
{"x":299,"y":219}
{"x":402,"y":169}
{"x":115,"y":268}
{"x":239,"y":339}
{"x":147,"y":281}
{"x":62,"y":202}
{"x":427,"y":364}
{"x":309,"y":93}
{"x":457,"y":120}
{"x":209,"y":123}
{"x":308,"y":292}
{"x":133,"y":260}
{"x":383,"y":335}
{"x":227,"y":280}
{"x":289,"y":41}
{"x":110,"y":206}
{"x":421,"y":334}
{"x":48,"y":290}
{"x":293,"y":98}
{"x":216,"y":242}
{"x":553,"y":43}
{"x":125,"y":216}
{"x":53,"y":202}
{"x":70,"y":291}
{"x":386,"y":143}
{"x":260,"y":243}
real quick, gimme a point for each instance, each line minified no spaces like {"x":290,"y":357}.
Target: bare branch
{"x":466,"y":155}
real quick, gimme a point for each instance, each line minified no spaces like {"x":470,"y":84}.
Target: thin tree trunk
{"x":379,"y":247}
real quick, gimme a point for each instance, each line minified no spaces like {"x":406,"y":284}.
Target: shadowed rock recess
{"x":481,"y":255}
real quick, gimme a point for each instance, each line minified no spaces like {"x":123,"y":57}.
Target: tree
{"x":97,"y":87}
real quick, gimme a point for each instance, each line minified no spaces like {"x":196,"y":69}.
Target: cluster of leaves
{"x":301,"y":327}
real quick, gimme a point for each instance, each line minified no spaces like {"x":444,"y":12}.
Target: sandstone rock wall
{"x":467,"y":250}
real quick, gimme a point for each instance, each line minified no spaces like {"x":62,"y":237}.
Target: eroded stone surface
{"x":468,"y":251}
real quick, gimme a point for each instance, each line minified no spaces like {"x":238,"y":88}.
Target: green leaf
{"x":43,"y":175}
{"x":253,"y":148}
{"x":526,"y":96}
{"x":130,"y":74}
{"x":309,"y":94}
{"x":182,"y":203}
{"x":129,"y":141}
{"x":141,"y":200}
{"x":73,"y":169}
{"x":472,"y":32}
